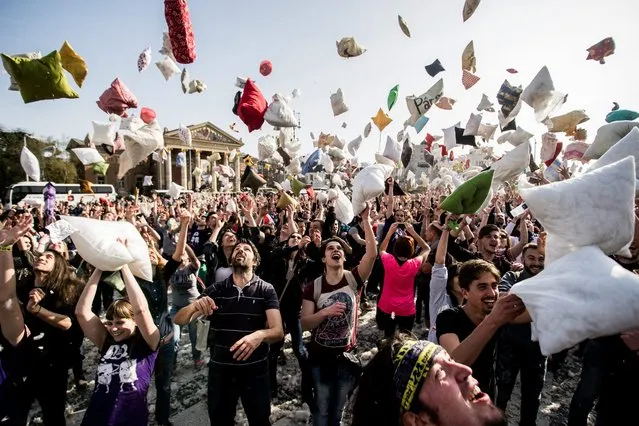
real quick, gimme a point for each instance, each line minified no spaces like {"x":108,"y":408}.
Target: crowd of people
{"x":240,"y":271}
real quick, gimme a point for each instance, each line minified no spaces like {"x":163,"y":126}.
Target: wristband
{"x":6,"y":248}
{"x":39,"y":309}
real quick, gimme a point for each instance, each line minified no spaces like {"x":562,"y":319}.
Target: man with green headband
{"x":416,"y":383}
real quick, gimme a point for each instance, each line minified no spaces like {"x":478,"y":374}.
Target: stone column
{"x":168,"y":168}
{"x":213,"y":174}
{"x":186,"y":182}
{"x":225,"y":158}
{"x":236,"y":164}
{"x":198,"y":159}
{"x":158,"y":174}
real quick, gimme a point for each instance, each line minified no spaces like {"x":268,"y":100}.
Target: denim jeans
{"x":293,"y":325}
{"x":163,"y":373}
{"x":332,"y":382}
{"x":177,"y":330}
{"x":227,"y":384}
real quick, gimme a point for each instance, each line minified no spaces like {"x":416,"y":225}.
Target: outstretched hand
{"x":9,"y":235}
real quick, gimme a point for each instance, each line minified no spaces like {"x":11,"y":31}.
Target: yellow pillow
{"x":73,"y":63}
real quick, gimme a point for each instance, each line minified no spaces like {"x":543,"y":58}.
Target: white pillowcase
{"x":184,"y":133}
{"x":336,"y":154}
{"x":279,"y":114}
{"x":486,"y":131}
{"x":472,"y":126}
{"x":450,"y":137}
{"x":96,"y":241}
{"x":131,"y":123}
{"x":139,"y":145}
{"x":343,"y":207}
{"x":512,"y":164}
{"x":30,"y":164}
{"x":168,"y":68}
{"x":266,"y":147}
{"x":515,"y":137}
{"x":88,"y":156}
{"x":607,"y":136}
{"x":326,"y":162}
{"x":596,"y":208}
{"x":392,"y":150}
{"x":628,"y":146}
{"x":175,"y":190}
{"x":353,"y":146}
{"x":542,"y":96}
{"x":581,"y":296}
{"x":368,"y":184}
{"x":103,"y":133}
{"x":337,"y":103}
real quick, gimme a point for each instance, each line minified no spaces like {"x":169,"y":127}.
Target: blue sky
{"x":299,"y":38}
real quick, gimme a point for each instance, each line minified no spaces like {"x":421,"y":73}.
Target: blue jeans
{"x":332,"y":382}
{"x":177,"y":330}
{"x":293,"y":325}
{"x":163,"y":372}
{"x":227,"y":384}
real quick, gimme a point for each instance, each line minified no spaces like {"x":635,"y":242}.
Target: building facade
{"x":178,"y":162}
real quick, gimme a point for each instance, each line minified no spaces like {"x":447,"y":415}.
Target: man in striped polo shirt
{"x":245,"y":319}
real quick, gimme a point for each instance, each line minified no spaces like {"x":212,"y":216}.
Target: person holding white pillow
{"x":128,"y":342}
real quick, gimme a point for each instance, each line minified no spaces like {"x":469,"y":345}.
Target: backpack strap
{"x":350,"y":278}
{"x":317,"y":288}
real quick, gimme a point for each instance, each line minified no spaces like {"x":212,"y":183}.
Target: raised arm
{"x":142,"y":315}
{"x":90,"y":323}
{"x":391,"y":231}
{"x":11,"y":319}
{"x":420,"y":241}
{"x":180,"y":247}
{"x":366,"y":264}
{"x":390,"y":199}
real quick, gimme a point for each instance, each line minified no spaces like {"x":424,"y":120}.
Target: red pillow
{"x":178,"y":19}
{"x":116,"y":99}
{"x":252,"y":106}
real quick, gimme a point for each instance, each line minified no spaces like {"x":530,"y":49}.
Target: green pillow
{"x":469,"y":196}
{"x":100,"y":168}
{"x":39,"y":79}
{"x":621,"y":115}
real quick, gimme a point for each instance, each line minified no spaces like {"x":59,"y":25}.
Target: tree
{"x":52,"y":169}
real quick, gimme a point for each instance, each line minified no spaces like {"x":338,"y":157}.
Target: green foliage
{"x":52,"y":169}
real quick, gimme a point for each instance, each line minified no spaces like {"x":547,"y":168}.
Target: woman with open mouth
{"x":128,"y":341}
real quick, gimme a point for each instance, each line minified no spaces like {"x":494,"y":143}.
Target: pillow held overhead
{"x":469,"y":197}
{"x":39,"y":79}
{"x":581,"y":296}
{"x":96,"y":241}
{"x":607,"y":136}
{"x":594,"y":209}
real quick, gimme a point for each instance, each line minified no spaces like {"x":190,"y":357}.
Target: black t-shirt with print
{"x":455,"y":321}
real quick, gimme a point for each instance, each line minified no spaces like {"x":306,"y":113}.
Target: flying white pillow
{"x":368,"y":184}
{"x":393,"y":150}
{"x":337,"y":103}
{"x":103,"y":133}
{"x":168,"y":68}
{"x":96,"y":241}
{"x":353,"y":146}
{"x":607,"y":136}
{"x":139,"y":145}
{"x":279,"y":114}
{"x":88,"y":156}
{"x":512,"y":164}
{"x":628,"y":146}
{"x":30,"y":164}
{"x":594,"y":209}
{"x":581,"y":296}
{"x":343,"y":207}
